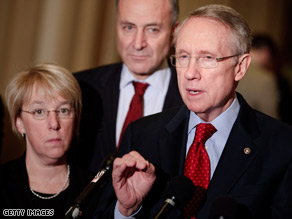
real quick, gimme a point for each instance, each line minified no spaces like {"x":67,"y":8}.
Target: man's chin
{"x":142,"y":76}
{"x":141,"y":72}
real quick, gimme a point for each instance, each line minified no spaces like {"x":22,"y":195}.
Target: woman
{"x":44,"y":104}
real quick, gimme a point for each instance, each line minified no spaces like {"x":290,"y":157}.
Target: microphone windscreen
{"x":228,"y":208}
{"x":180,"y":187}
{"x":107,"y":163}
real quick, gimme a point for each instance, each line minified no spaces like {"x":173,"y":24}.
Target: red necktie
{"x":197,"y":168}
{"x":136,"y":107}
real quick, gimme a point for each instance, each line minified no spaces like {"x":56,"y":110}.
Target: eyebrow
{"x":38,"y":102}
{"x":206,"y":52}
{"x":147,"y":25}
{"x":199,"y":53}
{"x":153,"y":24}
{"x":181,"y":51}
{"x":126,"y":22}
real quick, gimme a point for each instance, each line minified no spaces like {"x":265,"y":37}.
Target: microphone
{"x":177,"y":193}
{"x":226,"y":207}
{"x":98,"y":181}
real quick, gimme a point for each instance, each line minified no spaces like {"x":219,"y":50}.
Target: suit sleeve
{"x":282,"y":203}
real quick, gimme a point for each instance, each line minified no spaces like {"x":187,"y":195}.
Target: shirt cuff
{"x":118,"y":215}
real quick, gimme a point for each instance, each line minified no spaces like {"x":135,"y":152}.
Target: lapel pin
{"x":246,"y":150}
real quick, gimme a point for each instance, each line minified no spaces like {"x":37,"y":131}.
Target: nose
{"x":53,"y":121}
{"x":139,"y":40}
{"x":193,"y":71}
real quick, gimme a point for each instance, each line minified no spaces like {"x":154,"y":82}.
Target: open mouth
{"x":194,"y":92}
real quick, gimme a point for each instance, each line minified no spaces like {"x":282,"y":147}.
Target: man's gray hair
{"x":227,"y":16}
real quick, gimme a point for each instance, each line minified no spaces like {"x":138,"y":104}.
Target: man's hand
{"x":133,"y":178}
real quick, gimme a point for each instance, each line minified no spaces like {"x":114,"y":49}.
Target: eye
{"x":153,"y":30}
{"x":65,"y":111}
{"x":39,"y":112}
{"x":208,"y":58}
{"x":128,"y":27}
{"x":183,"y":57}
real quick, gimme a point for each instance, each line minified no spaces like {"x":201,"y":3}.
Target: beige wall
{"x":80,"y":34}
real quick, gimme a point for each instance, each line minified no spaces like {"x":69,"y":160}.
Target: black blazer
{"x":15,"y":191}
{"x":260,"y":180}
{"x":100,"y":93}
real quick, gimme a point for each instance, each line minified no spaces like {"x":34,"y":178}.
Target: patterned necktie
{"x":136,"y":107}
{"x":197,"y":168}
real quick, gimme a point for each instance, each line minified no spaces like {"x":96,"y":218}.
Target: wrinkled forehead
{"x":144,"y":12}
{"x":203,"y":34}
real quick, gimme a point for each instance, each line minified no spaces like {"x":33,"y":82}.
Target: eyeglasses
{"x":40,"y":114}
{"x":183,"y":61}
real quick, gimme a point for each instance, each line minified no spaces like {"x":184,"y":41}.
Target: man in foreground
{"x":217,"y":140}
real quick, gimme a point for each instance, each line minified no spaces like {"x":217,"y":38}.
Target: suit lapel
{"x":233,"y":161}
{"x":172,"y":144}
{"x":112,"y":90}
{"x":238,"y":154}
{"x":239,"y":150}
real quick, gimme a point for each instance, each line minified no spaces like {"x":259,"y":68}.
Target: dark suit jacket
{"x":15,"y":191}
{"x":100,"y":93}
{"x":260,"y":180}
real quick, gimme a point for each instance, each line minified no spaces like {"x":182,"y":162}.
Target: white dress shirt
{"x":153,"y":98}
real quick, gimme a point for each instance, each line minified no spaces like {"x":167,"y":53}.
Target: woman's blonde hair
{"x":49,"y":80}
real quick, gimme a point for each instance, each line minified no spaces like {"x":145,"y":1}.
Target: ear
{"x":174,"y":28}
{"x":20,"y":126}
{"x":242,"y":66}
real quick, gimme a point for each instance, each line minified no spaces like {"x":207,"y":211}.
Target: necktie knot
{"x":203,"y":132}
{"x":140,"y":88}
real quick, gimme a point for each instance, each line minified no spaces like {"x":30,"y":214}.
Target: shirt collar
{"x":222,"y":123}
{"x":157,"y":80}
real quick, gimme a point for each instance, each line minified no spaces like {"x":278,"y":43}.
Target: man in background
{"x":266,"y":88}
{"x":142,"y":84}
{"x":259,"y":86}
